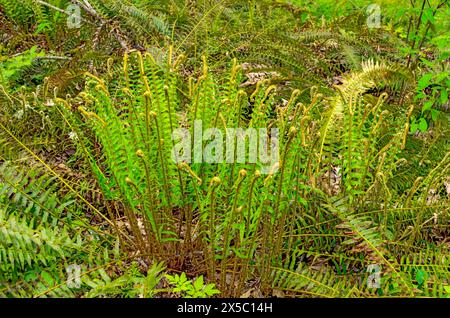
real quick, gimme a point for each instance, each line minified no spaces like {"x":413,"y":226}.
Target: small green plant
{"x":191,"y":288}
{"x":11,"y":67}
{"x":432,"y":92}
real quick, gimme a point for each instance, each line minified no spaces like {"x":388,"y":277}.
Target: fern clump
{"x":223,"y":148}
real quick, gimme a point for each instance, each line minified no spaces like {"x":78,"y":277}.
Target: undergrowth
{"x":95,"y":202}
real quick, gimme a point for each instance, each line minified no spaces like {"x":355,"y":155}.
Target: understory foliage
{"x":90,"y":183}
